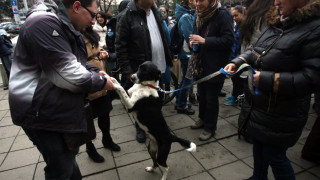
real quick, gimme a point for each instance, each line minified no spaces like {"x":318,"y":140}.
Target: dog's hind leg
{"x":163,"y":152}
{"x":152,"y":149}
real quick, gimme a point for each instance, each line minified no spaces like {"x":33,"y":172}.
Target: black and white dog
{"x":144,"y":102}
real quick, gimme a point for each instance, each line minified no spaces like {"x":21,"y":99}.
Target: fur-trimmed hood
{"x":310,"y":10}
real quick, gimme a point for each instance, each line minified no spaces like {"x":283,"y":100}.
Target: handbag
{"x":75,"y":140}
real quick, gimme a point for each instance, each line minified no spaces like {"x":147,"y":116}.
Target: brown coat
{"x":93,"y":59}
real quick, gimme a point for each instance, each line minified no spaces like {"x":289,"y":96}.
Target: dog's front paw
{"x":114,"y":81}
{"x":149,"y":169}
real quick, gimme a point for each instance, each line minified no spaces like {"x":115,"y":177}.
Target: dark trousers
{"x":209,"y":104}
{"x":61,"y":163}
{"x":265,"y":155}
{"x":238,"y":85}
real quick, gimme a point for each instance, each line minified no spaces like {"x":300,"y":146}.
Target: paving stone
{"x":137,"y":171}
{"x":3,"y":113}
{"x":294,"y":155}
{"x":6,"y":121}
{"x":5,"y":144}
{"x":201,"y":176}
{"x":121,"y":120}
{"x":179,"y":121}
{"x":183,"y":164}
{"x":233,"y":120}
{"x":117,"y":108}
{"x":111,"y":174}
{"x":22,"y":142}
{"x":225,"y":129}
{"x":168,"y":109}
{"x":213,"y":155}
{"x":39,"y":174}
{"x":87,"y":166}
{"x":233,"y":171}
{"x":20,"y":158}
{"x":9,"y":131}
{"x":131,"y":152}
{"x":238,"y":147}
{"x":310,"y":122}
{"x":124,"y":134}
{"x":315,"y":171}
{"x":2,"y":156}
{"x":227,"y":111}
{"x":22,"y":173}
{"x":304,"y":136}
{"x":4,"y":105}
{"x":306,"y":175}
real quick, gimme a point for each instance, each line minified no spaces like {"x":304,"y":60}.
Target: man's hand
{"x":230,"y":68}
{"x":256,"y":77}
{"x":103,"y":55}
{"x":109,"y":85}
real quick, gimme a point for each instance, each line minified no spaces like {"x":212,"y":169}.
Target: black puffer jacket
{"x":133,"y":43}
{"x":290,"y":72}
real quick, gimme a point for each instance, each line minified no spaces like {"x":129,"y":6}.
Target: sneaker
{"x":231,"y":102}
{"x":5,"y":88}
{"x":93,"y":154}
{"x":204,"y":135}
{"x":229,"y":98}
{"x":198,"y":124}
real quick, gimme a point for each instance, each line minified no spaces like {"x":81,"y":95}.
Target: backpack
{"x":176,"y":39}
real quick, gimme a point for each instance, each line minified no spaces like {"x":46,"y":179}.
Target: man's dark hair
{"x":84,"y":3}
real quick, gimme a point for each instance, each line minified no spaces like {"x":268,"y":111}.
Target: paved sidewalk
{"x":224,"y":157}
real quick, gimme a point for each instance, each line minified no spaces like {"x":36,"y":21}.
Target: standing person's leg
{"x":281,"y":167}
{"x":181,"y":99}
{"x":237,"y":89}
{"x":260,"y":166}
{"x":212,"y":110}
{"x":60,"y":161}
{"x":7,"y":61}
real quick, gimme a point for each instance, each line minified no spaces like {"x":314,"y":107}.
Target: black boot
{"x":109,"y":144}
{"x":93,"y":154}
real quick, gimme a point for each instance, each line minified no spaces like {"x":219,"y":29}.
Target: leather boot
{"x":109,"y":144}
{"x":93,"y":154}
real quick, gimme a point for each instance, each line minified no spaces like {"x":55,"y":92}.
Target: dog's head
{"x":147,"y":72}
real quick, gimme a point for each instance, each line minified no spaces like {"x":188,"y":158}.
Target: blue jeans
{"x":182,"y":96}
{"x":209,"y":104}
{"x":61,"y":163}
{"x":7,"y":61}
{"x":265,"y":155}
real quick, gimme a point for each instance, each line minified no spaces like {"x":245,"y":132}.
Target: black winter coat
{"x":290,"y":72}
{"x":218,"y":45}
{"x":133,"y":43}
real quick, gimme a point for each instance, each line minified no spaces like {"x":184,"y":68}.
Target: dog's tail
{"x":192,"y":147}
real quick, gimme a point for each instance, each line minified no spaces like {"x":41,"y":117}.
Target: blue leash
{"x":254,"y":90}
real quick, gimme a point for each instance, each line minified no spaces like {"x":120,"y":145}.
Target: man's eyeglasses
{"x":93,"y":15}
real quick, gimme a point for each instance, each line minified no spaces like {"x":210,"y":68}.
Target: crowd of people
{"x":67,"y":50}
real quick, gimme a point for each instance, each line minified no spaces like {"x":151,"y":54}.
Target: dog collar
{"x":150,"y":86}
